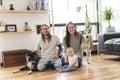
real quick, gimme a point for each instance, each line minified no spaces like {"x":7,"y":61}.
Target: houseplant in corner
{"x":108,"y":16}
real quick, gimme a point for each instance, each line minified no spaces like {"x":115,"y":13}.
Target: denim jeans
{"x":42,"y":64}
{"x":64,"y":63}
{"x":66,"y":68}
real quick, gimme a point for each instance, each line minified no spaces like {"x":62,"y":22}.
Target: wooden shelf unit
{"x":24,"y":32}
{"x":24,"y":11}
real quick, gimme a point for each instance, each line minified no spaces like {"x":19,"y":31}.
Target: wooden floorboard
{"x":104,"y":67}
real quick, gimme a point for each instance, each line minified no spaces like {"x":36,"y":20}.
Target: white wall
{"x":20,"y":41}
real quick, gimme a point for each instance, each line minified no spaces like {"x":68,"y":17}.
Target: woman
{"x":72,"y":39}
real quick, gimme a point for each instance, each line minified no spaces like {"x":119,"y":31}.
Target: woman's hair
{"x":67,"y":36}
{"x":49,"y":35}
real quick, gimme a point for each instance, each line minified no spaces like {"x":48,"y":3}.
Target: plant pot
{"x":1,"y":7}
{"x":11,"y":8}
{"x":2,"y":28}
{"x":110,"y":29}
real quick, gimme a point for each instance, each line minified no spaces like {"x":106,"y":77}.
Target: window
{"x":66,"y":10}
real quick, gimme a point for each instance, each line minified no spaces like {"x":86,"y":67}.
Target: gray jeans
{"x":66,"y":68}
{"x":43,"y":61}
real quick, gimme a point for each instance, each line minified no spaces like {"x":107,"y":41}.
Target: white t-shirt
{"x":48,"y":49}
{"x":71,"y":59}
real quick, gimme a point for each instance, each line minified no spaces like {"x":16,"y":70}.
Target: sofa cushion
{"x":112,"y":44}
{"x":109,"y":44}
{"x":116,"y":45}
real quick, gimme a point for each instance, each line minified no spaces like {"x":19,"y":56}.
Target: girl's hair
{"x":67,"y":36}
{"x":49,"y":35}
{"x":69,"y":48}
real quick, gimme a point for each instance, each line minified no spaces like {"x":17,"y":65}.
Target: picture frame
{"x":38,"y":28}
{"x":11,"y":28}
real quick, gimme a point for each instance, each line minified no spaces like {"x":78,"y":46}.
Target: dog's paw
{"x":29,"y":73}
{"x":15,"y":71}
{"x":89,"y":62}
{"x":91,"y":59}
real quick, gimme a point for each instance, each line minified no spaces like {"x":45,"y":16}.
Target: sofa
{"x":109,"y":43}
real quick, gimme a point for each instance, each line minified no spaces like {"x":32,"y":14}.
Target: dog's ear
{"x":36,"y":58}
{"x":89,"y":29}
{"x":81,"y":32}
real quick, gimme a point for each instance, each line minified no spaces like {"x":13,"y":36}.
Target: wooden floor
{"x":104,"y":67}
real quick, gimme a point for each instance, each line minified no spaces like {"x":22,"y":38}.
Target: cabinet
{"x":13,"y":58}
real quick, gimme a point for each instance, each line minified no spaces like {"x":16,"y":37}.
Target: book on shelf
{"x":41,"y":4}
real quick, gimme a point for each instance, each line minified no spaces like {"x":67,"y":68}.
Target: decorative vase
{"x":2,"y":28}
{"x":110,"y":29}
{"x":1,"y":7}
{"x":11,"y":8}
{"x":28,"y":8}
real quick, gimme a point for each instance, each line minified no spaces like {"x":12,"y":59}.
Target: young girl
{"x":72,"y":60}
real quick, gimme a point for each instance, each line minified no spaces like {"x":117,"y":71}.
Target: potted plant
{"x":108,"y":16}
{"x":87,"y":19}
{"x":1,"y":4}
{"x":11,"y":7}
{"x":2,"y":28}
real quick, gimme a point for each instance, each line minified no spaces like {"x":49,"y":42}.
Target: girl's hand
{"x":66,"y":60}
